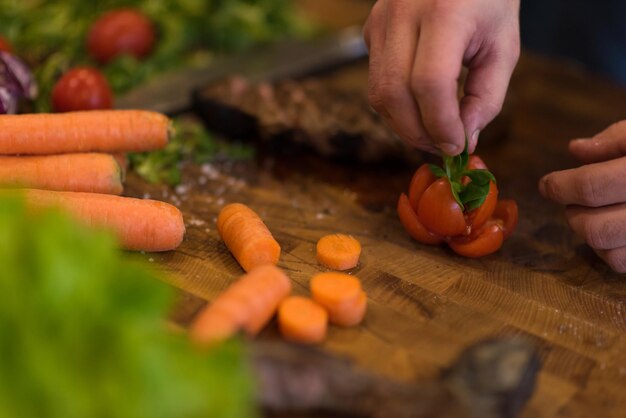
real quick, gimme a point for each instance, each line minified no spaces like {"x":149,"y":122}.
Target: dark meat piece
{"x":310,"y":113}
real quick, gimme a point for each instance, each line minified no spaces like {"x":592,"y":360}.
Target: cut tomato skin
{"x":412,"y":224}
{"x":422,"y":178}
{"x":5,"y":45}
{"x":486,"y":241}
{"x":506,"y":210}
{"x":81,"y":88}
{"x":479,"y":216}
{"x":118,"y":32}
{"x":439,"y":212}
{"x":476,"y":163}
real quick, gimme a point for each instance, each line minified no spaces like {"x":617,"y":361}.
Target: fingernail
{"x":449,"y":149}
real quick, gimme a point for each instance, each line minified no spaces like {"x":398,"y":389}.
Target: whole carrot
{"x":95,"y":173}
{"x":248,"y":304}
{"x":89,"y":131}
{"x":247,"y":237}
{"x":140,"y":225}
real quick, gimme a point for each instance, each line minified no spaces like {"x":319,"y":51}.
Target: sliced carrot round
{"x":338,"y":251}
{"x":348,"y":315}
{"x":334,"y":289}
{"x":302,"y":320}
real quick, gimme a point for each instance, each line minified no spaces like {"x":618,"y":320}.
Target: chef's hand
{"x":417,"y":49}
{"x":595,"y":193}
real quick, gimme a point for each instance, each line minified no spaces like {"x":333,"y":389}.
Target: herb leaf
{"x":436,"y":170}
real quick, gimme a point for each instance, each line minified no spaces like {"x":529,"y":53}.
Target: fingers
{"x":601,"y":228}
{"x":393,"y":34}
{"x":608,"y":144}
{"x":486,"y":86}
{"x":590,"y":185}
{"x":436,"y":69}
{"x":615,"y":258}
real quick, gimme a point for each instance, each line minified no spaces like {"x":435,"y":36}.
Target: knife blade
{"x":172,"y":93}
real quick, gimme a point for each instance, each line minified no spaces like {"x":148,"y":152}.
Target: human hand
{"x":595,"y":193}
{"x":417,"y":49}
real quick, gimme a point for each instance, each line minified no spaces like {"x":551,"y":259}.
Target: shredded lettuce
{"x":83,"y":334}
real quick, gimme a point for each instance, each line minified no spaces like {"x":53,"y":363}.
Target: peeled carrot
{"x":302,"y":320}
{"x":122,"y":160}
{"x":141,"y":225}
{"x":88,"y":131}
{"x":247,"y":237}
{"x":341,"y":295}
{"x":338,"y":251}
{"x":95,"y":173}
{"x":348,"y":314}
{"x":248,"y":304}
{"x":334,"y":288}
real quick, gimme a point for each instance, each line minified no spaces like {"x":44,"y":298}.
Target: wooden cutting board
{"x":425,"y":303}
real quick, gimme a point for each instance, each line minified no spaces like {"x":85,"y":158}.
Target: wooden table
{"x":425,"y":303}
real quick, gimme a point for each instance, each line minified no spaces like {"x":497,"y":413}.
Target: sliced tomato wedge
{"x":422,"y":178}
{"x":413,"y":226}
{"x":479,"y":244}
{"x":439,"y":212}
{"x":479,"y":216}
{"x":506,"y":210}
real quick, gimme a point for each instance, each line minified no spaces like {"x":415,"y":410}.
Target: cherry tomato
{"x":477,"y":218}
{"x":413,"y":226}
{"x":439,"y":212}
{"x":506,"y":210}
{"x":484,"y":242}
{"x":5,"y":45}
{"x":422,"y":178}
{"x":476,"y":163}
{"x":118,"y":32}
{"x":81,"y":88}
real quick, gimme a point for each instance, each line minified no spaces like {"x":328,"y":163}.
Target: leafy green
{"x":469,"y":196}
{"x":51,"y":34}
{"x":83,"y":332}
{"x":191,"y":142}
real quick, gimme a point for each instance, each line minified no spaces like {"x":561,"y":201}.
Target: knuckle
{"x":586,"y":190}
{"x":425,"y":83}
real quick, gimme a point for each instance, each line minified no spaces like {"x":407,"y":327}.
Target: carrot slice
{"x":141,"y":225}
{"x":87,"y":131}
{"x":412,"y":224}
{"x":333,"y":289}
{"x":350,"y":314}
{"x":338,"y":251}
{"x":94,"y":173}
{"x":247,"y":237}
{"x":302,"y":320}
{"x":248,"y":304}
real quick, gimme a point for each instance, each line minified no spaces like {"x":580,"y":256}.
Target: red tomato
{"x":118,"y":32}
{"x":476,"y":163}
{"x":413,"y":226}
{"x":439,"y":212}
{"x":506,"y":210}
{"x":478,"y":217}
{"x":5,"y":45}
{"x":81,"y":88}
{"x":422,"y":178}
{"x":486,"y":241}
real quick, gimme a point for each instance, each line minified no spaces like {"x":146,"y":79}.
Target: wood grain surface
{"x":425,"y":303}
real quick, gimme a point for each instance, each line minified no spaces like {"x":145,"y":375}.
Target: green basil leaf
{"x":475,"y":204}
{"x":473,"y":191}
{"x":480,"y":176}
{"x":436,"y":170}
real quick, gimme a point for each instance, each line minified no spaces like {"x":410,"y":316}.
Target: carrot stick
{"x":248,"y":304}
{"x":146,"y":225}
{"x":338,"y":251}
{"x":122,"y":160}
{"x":247,"y":237}
{"x":95,"y":173}
{"x":302,"y":320}
{"x":88,"y":131}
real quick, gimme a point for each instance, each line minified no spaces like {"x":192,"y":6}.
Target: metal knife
{"x":171,"y":93}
